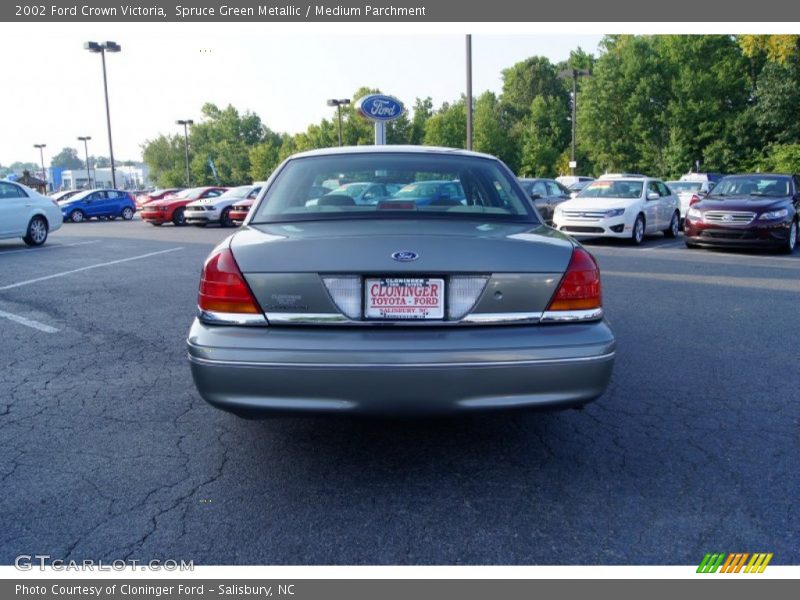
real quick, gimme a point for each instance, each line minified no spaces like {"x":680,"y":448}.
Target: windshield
{"x":685,"y":186}
{"x":612,"y":189}
{"x":752,"y":185}
{"x":190,"y":193}
{"x":429,"y":186}
{"x":237,"y":192}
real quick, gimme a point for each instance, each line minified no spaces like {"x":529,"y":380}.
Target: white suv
{"x":620,"y":207}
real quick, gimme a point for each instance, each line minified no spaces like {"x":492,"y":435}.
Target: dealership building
{"x":128,"y":178}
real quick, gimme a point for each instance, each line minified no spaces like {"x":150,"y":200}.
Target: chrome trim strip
{"x":339,"y":319}
{"x":571,"y":316}
{"x":287,"y":318}
{"x":224,"y":318}
{"x":511,"y":317}
{"x":503,"y":363}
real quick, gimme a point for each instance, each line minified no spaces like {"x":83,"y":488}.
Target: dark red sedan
{"x":747,"y":211}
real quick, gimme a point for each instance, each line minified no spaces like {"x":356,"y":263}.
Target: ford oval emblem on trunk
{"x":405,"y":256}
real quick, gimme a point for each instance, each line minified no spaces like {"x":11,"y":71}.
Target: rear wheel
{"x":37,"y":232}
{"x":127,"y":213}
{"x":791,"y":241}
{"x":77,"y":216}
{"x":674,"y":226}
{"x":178,"y":217}
{"x":637,"y":235}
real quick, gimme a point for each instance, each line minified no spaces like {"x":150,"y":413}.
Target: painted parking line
{"x":48,"y":247}
{"x":87,"y":268}
{"x":670,"y":244}
{"x":27,"y":322}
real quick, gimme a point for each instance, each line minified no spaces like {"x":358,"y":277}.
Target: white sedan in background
{"x":217,"y":209}
{"x":620,"y":207}
{"x":27,"y":214}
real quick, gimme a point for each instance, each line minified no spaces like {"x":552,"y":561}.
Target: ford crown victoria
{"x":401,"y":306}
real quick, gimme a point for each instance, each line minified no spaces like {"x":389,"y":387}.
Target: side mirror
{"x":535,"y":196}
{"x":653,"y":195}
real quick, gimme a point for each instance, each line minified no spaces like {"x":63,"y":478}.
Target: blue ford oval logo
{"x":405,"y":256}
{"x":378,"y":107}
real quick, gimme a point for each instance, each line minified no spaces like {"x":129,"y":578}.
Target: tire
{"x":178,"y":217}
{"x":637,"y":234}
{"x":225,"y":218}
{"x":77,"y":216}
{"x":674,"y":226}
{"x":791,"y":241}
{"x":37,"y":231}
{"x":127,"y":213}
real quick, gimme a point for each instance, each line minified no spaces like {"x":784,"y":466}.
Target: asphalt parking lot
{"x":109,"y":453}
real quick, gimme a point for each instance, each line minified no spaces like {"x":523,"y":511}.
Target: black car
{"x":545,"y":194}
{"x":749,"y":210}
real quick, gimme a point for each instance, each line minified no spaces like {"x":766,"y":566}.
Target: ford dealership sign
{"x":377,"y":107}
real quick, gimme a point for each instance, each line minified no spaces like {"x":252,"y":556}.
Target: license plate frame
{"x":404,"y":298}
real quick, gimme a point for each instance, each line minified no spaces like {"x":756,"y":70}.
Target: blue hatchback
{"x":102,"y":204}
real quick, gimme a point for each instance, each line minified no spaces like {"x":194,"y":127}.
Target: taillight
{"x":580,"y":287}
{"x":694,"y":200}
{"x":223,"y":288}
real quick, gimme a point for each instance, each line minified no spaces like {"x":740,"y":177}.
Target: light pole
{"x":102,"y":48}
{"x":338,"y":104}
{"x":85,"y":139}
{"x":469,"y":92}
{"x":41,"y":148}
{"x":574,"y":74}
{"x":186,"y":124}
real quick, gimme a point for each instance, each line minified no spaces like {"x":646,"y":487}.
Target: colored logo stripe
{"x":734,"y":562}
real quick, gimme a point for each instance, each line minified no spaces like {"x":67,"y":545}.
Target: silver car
{"x":401,"y":306}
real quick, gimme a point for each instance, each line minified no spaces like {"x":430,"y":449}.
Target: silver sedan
{"x":401,"y":306}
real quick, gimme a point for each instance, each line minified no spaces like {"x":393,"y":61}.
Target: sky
{"x":167,"y":72}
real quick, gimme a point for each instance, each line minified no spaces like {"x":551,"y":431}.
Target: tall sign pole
{"x":469,"y":92}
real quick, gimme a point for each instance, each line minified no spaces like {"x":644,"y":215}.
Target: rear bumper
{"x":258,"y":371}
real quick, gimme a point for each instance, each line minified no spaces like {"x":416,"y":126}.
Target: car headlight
{"x":774,"y":214}
{"x":693,"y":213}
{"x":615,"y":212}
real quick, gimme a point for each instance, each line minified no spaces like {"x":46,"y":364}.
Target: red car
{"x":147,"y":198}
{"x":240,"y":209}
{"x":171,"y":208}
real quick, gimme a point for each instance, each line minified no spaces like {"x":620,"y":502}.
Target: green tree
{"x":448,"y":126}
{"x":67,"y":159}
{"x":489,"y":132}
{"x":265,"y":156}
{"x":545,"y":134}
{"x":423,"y":110}
{"x":164,"y":156}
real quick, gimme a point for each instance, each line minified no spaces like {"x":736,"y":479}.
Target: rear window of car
{"x":612,"y":189}
{"x":410,"y":185}
{"x":685,"y":186}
